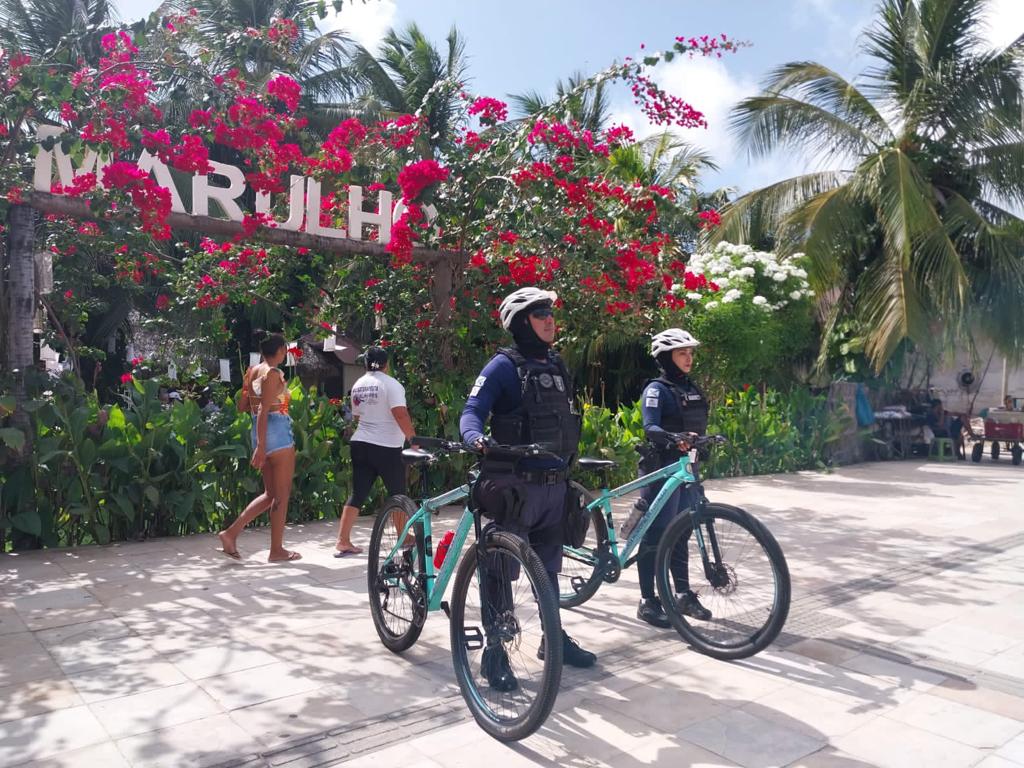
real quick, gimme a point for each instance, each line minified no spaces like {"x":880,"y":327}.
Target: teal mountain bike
{"x":502,"y":607}
{"x":721,"y":553}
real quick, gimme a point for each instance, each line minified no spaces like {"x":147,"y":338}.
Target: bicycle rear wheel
{"x":580,"y":576}
{"x":398,"y":602}
{"x":746,"y":585}
{"x":504,"y":618}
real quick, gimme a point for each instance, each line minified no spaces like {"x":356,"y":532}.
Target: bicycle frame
{"x":675,"y":475}
{"x":437,"y":581}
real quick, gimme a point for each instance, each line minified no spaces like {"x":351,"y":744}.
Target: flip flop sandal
{"x":347,"y":552}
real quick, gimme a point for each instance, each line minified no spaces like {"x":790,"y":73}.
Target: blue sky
{"x":529,"y":44}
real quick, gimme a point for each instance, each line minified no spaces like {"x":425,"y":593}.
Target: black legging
{"x":677,"y":504}
{"x":371,"y":461}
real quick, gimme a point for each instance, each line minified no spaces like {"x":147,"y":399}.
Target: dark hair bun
{"x":376,"y":358}
{"x":271,"y":344}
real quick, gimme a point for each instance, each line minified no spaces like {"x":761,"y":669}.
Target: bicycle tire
{"x":388,"y":581}
{"x":707,"y":637}
{"x":572,"y":595}
{"x":474,"y":690}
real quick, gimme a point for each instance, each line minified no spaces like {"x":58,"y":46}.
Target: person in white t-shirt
{"x":378,"y":404}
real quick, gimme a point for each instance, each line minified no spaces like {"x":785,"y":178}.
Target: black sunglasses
{"x":541,"y":312}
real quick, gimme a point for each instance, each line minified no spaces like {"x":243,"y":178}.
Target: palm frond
{"x":762,"y":211}
{"x":769,"y":122}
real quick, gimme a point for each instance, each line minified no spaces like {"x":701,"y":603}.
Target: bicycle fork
{"x":714,"y":569}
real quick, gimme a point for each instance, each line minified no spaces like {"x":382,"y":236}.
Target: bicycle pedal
{"x":472,"y":638}
{"x":447,"y":609}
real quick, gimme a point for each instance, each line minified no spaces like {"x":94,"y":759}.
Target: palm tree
{"x":909,"y":234}
{"x":588,"y":106}
{"x":408,"y":74}
{"x":318,"y":60}
{"x":39,"y":27}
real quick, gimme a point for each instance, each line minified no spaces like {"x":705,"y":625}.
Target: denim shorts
{"x":279,"y":433}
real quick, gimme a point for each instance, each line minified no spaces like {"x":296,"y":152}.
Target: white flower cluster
{"x":741,"y":272}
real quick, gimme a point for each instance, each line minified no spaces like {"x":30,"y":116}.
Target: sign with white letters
{"x":304,"y":194}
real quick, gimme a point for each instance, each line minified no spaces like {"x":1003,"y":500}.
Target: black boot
{"x":572,"y":654}
{"x":495,"y":668}
{"x":690,"y":606}
{"x":650,"y":610}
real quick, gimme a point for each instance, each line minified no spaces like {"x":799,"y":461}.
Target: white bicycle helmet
{"x":673,"y":338}
{"x":521,"y":299}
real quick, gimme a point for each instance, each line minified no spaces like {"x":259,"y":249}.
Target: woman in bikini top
{"x":273,"y":453}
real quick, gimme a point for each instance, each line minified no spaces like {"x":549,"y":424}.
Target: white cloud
{"x":1005,"y":22}
{"x":712,"y":88}
{"x":364,"y":22}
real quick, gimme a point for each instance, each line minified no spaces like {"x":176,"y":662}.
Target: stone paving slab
{"x":905,"y":646}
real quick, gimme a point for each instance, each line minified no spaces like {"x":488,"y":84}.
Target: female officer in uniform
{"x":670,"y":403}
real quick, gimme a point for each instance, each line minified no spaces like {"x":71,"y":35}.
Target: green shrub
{"x":157,"y":470}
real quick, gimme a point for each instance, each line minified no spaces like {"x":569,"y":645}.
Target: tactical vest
{"x":547,"y":413}
{"x":692,"y":411}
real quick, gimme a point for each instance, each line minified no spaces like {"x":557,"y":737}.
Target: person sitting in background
{"x":942,"y":423}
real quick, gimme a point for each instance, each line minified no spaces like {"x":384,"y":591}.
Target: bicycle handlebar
{"x":667,"y":439}
{"x":493,"y":450}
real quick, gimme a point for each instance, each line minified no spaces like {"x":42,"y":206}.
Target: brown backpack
{"x":243,"y":399}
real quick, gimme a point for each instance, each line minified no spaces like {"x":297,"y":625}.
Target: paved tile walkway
{"x":905,"y":646}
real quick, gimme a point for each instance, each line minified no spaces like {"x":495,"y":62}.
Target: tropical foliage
{"x":911,"y":238}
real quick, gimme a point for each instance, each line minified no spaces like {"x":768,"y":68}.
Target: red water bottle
{"x":442,"y":548}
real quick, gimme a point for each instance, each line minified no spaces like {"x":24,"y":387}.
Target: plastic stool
{"x":937,"y":449}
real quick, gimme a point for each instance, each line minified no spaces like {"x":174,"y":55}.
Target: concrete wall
{"x":988,"y":389}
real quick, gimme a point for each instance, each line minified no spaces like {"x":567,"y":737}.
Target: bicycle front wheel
{"x":506,"y":637}
{"x":398,"y":602}
{"x":580,"y":576}
{"x":743,"y":584}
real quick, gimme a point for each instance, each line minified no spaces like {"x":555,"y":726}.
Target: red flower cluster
{"x":283,"y":31}
{"x":662,"y":108}
{"x":707,"y":45}
{"x":525,"y":269}
{"x":152,"y":201}
{"x":473,"y":143}
{"x":559,"y":136}
{"x":417,"y":177}
{"x":400,"y":133}
{"x":189,"y":155}
{"x":82,"y":183}
{"x":490,"y":111}
{"x":618,"y":136}
{"x":709,"y":219}
{"x":287,"y":90}
{"x":402,"y":235}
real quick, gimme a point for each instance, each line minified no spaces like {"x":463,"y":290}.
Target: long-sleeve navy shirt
{"x":497,"y":390}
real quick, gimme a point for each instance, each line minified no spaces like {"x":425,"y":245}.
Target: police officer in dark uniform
{"x":670,"y":403}
{"x":527,"y":393}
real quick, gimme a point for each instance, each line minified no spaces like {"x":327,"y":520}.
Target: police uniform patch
{"x":476,"y":386}
{"x":559,"y":384}
{"x":651,"y":397}
{"x":545,"y":380}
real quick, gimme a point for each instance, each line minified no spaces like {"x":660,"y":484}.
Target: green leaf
{"x":124,"y":505}
{"x":28,"y":521}
{"x":153,"y":495}
{"x":13,"y":438}
{"x":116,"y":418}
{"x":87,"y":453}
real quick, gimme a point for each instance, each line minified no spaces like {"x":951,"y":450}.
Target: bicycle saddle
{"x":414,"y":456}
{"x":586,"y":462}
